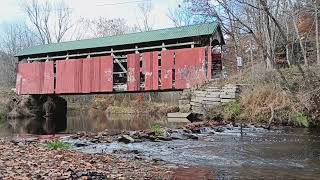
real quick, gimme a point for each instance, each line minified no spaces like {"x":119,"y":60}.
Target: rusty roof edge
{"x":28,"y":51}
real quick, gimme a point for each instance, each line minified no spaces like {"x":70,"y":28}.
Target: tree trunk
{"x":317,"y":31}
{"x":300,"y":42}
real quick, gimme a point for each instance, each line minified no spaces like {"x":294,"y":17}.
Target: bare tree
{"x":15,"y":37}
{"x":50,"y":21}
{"x":145,"y":16}
{"x":181,"y":16}
{"x":109,"y":27}
{"x":102,"y":27}
{"x":63,"y":22}
{"x":7,"y":70}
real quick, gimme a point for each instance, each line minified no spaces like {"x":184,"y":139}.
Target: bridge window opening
{"x":159,"y":77}
{"x":173,"y":76}
{"x":174,"y":70}
{"x":216,"y":68}
{"x":54,"y":75}
{"x":142,"y":81}
{"x":207,"y":61}
{"x":120,"y":76}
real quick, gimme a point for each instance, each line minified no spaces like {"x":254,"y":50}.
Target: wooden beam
{"x":115,"y":51}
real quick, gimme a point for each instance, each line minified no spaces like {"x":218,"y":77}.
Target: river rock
{"x":126,"y":139}
{"x":192,"y":136}
{"x":178,"y":136}
{"x":164,"y":138}
{"x":229,"y":126}
{"x":81,"y":144}
{"x":220,"y":129}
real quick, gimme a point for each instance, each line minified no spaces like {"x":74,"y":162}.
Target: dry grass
{"x":261,"y":101}
{"x":130,"y":105}
{"x":287,"y":96}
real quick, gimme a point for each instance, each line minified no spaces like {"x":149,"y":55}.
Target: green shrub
{"x":232,"y":110}
{"x":156,"y":128}
{"x":301,"y":120}
{"x":58,"y":145}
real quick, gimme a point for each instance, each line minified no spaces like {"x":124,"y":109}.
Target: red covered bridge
{"x":167,"y":59}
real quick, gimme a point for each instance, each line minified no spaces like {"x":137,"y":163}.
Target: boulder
{"x":191,"y":136}
{"x":178,"y":136}
{"x":220,"y":129}
{"x":126,"y":139}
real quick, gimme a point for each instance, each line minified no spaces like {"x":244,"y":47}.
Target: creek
{"x":286,"y":153}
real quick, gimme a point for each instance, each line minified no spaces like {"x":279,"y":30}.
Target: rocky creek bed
{"x":203,"y":150}
{"x":28,"y":158}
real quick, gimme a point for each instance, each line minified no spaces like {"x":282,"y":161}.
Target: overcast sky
{"x":11,"y":11}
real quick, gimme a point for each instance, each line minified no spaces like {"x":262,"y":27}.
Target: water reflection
{"x":99,"y":121}
{"x":76,"y":121}
{"x":36,"y":125}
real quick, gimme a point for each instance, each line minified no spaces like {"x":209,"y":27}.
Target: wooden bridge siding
{"x":85,"y":75}
{"x":209,"y":70}
{"x":69,"y":76}
{"x":48,"y":78}
{"x":87,"y":70}
{"x":150,"y":70}
{"x":167,"y":65}
{"x":35,"y":78}
{"x":155,"y":60}
{"x":94,"y":75}
{"x":106,"y":74}
{"x":133,"y":64}
{"x":189,"y":67}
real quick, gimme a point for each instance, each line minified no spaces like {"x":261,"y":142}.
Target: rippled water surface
{"x":275,"y":154}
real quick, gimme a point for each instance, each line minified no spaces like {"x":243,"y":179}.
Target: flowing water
{"x":276,"y":154}
{"x":258,"y":154}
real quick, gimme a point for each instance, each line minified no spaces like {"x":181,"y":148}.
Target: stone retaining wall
{"x":206,"y":97}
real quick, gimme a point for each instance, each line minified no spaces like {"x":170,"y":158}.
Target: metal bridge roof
{"x":126,"y":39}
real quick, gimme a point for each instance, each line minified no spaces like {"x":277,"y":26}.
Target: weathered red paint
{"x":189,"y":67}
{"x":150,"y":69}
{"x":69,"y":76}
{"x":84,"y":75}
{"x":106,"y":74}
{"x":35,"y":78}
{"x":133,"y":72}
{"x":48,"y":78}
{"x":167,"y":64}
{"x":87,"y":71}
{"x":209,"y":73}
{"x":93,"y":75}
{"x":78,"y":75}
{"x":155,"y":60}
{"x":96,"y":74}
